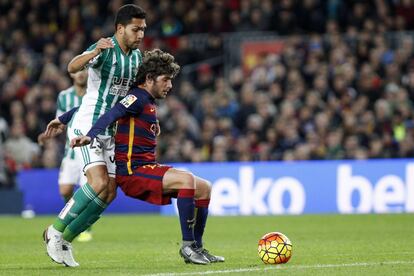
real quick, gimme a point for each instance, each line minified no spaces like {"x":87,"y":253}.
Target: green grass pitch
{"x":148,"y":245}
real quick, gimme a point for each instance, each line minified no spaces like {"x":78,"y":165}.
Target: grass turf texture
{"x":138,"y":244}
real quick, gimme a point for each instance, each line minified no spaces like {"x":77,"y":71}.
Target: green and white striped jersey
{"x":67,"y":99}
{"x":110,"y":76}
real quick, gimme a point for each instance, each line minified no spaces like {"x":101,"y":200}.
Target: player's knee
{"x":66,"y":191}
{"x":111,"y":196}
{"x":188,"y":181}
{"x":100,"y":184}
{"x":208,"y":188}
{"x":203,"y":189}
{"x":108,"y":194}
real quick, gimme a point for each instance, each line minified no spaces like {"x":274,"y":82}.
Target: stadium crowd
{"x":342,"y":88}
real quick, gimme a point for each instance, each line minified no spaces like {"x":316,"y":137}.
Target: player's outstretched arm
{"x":111,"y":116}
{"x":80,"y":61}
{"x":119,"y":110}
{"x":80,"y":141}
{"x":54,"y":128}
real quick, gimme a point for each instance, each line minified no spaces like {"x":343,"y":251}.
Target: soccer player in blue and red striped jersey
{"x":137,"y":171}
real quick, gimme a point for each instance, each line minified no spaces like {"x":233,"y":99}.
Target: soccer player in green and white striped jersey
{"x":112,"y":65}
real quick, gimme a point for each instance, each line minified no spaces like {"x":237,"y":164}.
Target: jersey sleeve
{"x":67,"y":116}
{"x":133,"y":103}
{"x":98,"y":60}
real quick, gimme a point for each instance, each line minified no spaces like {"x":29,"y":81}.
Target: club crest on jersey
{"x":128,"y":100}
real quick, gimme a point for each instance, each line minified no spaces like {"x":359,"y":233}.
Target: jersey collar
{"x":120,"y":49}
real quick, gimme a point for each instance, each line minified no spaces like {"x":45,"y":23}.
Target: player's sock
{"x":85,"y":219}
{"x":74,"y":207}
{"x":201,"y":206}
{"x":185,"y":204}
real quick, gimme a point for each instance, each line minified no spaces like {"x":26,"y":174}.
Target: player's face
{"x":133,"y":33}
{"x":161,"y":86}
{"x":80,"y":78}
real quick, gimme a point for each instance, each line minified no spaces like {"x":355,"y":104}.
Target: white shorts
{"x":70,"y":172}
{"x":101,"y":151}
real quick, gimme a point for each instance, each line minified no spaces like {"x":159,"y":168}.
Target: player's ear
{"x":120,"y":28}
{"x":149,"y":78}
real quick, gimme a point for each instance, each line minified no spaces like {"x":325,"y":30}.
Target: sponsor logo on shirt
{"x":120,"y":86}
{"x":128,"y":100}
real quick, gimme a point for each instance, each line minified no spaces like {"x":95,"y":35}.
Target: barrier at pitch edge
{"x":307,"y":187}
{"x":265,"y":188}
{"x":41,"y":194}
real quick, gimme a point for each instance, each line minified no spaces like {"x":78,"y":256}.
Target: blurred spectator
{"x":185,"y":54}
{"x":20,"y":151}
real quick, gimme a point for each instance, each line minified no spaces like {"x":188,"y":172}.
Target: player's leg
{"x":68,"y":176}
{"x":71,"y":173}
{"x":82,"y":211}
{"x":73,"y":210}
{"x":156,"y":184}
{"x":97,"y":181}
{"x":86,"y":235}
{"x":97,"y":167}
{"x":202,"y":201}
{"x":106,"y":196}
{"x":91,"y":213}
{"x":184,"y":184}
{"x":66,"y":191}
{"x":93,"y":162}
{"x":104,"y":184}
{"x":85,"y":220}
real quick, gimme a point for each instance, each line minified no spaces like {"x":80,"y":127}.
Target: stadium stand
{"x":341,"y":85}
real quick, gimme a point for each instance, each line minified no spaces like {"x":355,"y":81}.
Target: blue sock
{"x":185,"y":204}
{"x":201,"y":219}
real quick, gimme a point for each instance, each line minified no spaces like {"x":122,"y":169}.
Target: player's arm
{"x":56,"y":126}
{"x":116,"y":112}
{"x":129,"y":105}
{"x":80,"y":61}
{"x":67,"y":116}
{"x":53,"y":129}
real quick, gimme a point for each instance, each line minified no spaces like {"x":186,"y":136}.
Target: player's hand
{"x":54,"y":128}
{"x":80,"y":141}
{"x":102,"y":44}
{"x":41,"y":139}
{"x":157,"y":128}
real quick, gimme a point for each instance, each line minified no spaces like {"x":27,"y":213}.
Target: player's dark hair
{"x":156,"y":63}
{"x":127,"y":12}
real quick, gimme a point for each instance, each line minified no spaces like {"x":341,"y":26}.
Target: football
{"x":275,"y":248}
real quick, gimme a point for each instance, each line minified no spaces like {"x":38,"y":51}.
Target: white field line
{"x":282,"y":267}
